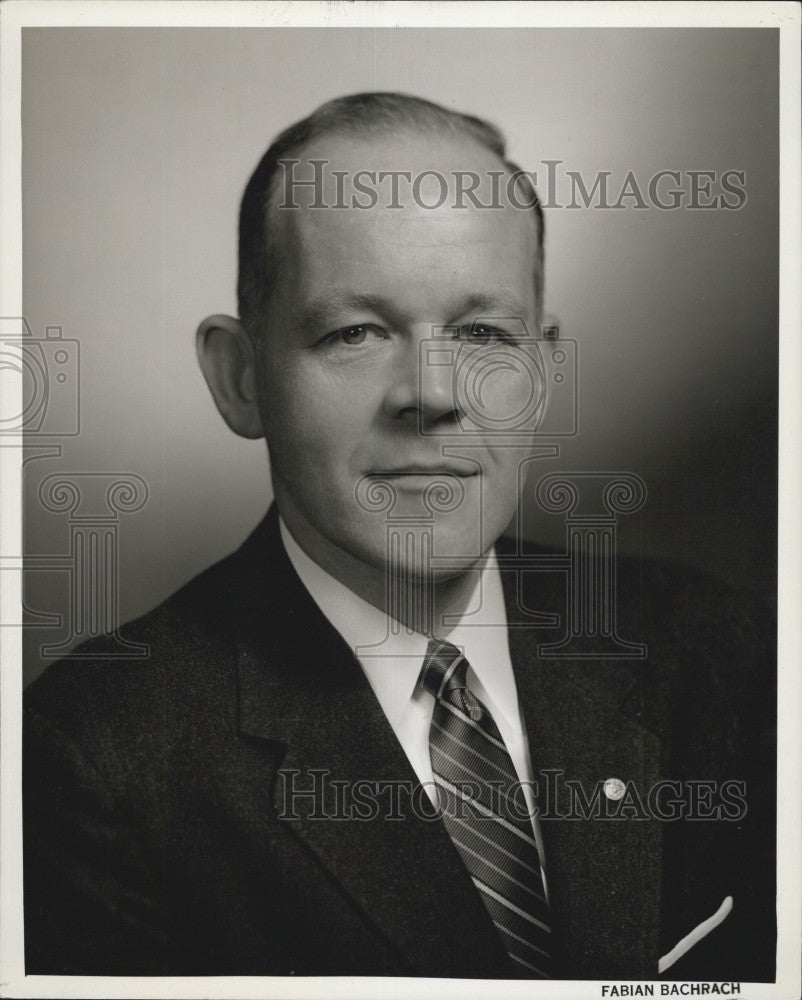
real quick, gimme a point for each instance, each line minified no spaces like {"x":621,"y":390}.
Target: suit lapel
{"x":301,"y":689}
{"x":302,"y":694}
{"x":603,"y":874}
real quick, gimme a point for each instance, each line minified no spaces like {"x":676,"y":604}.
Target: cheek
{"x":521,"y":388}
{"x":505,"y":479}
{"x":501,"y":391}
{"x":310,"y":421}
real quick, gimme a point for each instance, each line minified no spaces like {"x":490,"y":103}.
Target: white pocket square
{"x":696,"y":935}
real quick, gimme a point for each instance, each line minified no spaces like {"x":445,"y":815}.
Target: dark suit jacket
{"x":153,"y":843}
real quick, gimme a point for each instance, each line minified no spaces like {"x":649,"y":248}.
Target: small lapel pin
{"x":614,"y":788}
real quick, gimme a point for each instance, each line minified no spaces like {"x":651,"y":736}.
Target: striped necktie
{"x":485,"y":812}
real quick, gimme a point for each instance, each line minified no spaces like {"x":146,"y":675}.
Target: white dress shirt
{"x":392,"y":658}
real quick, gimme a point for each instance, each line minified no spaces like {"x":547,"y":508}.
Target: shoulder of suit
{"x":181,"y":650}
{"x":188,"y":646}
{"x":676,"y":592}
{"x":710,"y":647}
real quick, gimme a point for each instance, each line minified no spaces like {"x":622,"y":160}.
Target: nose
{"x":421,"y":389}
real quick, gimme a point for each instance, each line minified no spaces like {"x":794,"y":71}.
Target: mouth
{"x":461,"y":469}
{"x":416,"y":479}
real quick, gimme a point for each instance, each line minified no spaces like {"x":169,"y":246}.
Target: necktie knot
{"x":444,"y":675}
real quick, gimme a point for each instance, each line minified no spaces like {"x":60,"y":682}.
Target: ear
{"x":228,"y":363}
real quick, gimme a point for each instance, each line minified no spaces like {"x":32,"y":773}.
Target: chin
{"x":410,"y":547}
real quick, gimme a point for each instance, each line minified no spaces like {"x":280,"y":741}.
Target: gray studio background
{"x":136,"y":147}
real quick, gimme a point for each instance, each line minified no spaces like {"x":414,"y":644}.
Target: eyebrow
{"x":498,"y":305}
{"x":321,"y":309}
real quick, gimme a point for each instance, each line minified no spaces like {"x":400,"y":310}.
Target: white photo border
{"x":17,"y":14}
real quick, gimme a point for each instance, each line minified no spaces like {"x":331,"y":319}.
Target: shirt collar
{"x":391,"y":655}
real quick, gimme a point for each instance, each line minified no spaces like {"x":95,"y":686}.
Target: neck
{"x":419,"y":602}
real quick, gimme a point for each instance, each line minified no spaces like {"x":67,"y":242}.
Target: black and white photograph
{"x":400,"y":551}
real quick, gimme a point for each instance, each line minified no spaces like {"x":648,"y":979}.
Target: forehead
{"x":403,"y":241}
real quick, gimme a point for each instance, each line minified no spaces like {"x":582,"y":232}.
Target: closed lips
{"x":419,"y":470}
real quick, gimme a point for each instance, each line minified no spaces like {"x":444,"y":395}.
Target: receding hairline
{"x":282,"y":229}
{"x":358,"y":116}
{"x":305,"y":154}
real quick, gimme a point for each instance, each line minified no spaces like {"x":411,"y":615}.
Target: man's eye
{"x":354,"y":336}
{"x":480,"y":333}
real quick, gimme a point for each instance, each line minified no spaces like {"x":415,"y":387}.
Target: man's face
{"x":367,"y":402}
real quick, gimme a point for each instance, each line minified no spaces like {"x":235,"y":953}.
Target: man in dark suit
{"x":278,"y":788}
